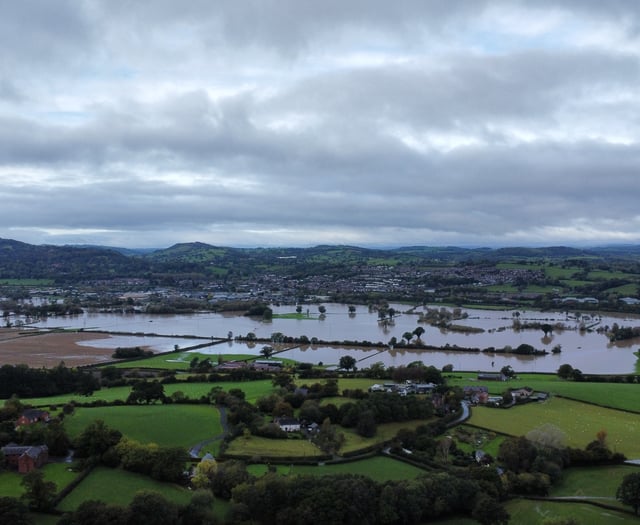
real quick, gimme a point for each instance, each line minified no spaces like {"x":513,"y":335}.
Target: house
{"x":478,"y":395}
{"x":31,"y":416}
{"x":521,"y":394}
{"x":288,"y":424}
{"x":25,"y":458}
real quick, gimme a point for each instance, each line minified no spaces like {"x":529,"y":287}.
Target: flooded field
{"x":589,"y":351}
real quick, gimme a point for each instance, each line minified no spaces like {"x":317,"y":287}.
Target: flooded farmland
{"x":589,"y":350}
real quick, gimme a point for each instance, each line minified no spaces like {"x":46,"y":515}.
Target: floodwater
{"x":589,"y":351}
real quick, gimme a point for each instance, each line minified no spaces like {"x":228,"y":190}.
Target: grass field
{"x":259,"y":446}
{"x":625,"y":396}
{"x":180,"y":360}
{"x":59,"y":473}
{"x":27,"y":282}
{"x":10,"y":484}
{"x":579,"y":421}
{"x":118,"y":487}
{"x":596,"y":482}
{"x":166,"y":425}
{"x":529,"y":512}
{"x":378,"y":468}
{"x":384,"y":433}
{"x":105,"y":394}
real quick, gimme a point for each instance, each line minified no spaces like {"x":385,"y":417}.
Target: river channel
{"x":589,"y":351}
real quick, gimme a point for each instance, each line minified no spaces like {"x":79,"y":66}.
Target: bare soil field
{"x":48,"y":349}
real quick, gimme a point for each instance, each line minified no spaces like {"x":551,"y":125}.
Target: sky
{"x":298,"y":122}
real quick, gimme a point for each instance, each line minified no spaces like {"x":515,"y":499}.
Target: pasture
{"x":593,"y":482}
{"x":59,"y":473}
{"x":273,"y":448}
{"x":181,"y":360}
{"x":623,"y":396}
{"x":378,"y":468}
{"x":532,"y":512}
{"x":165,"y":425}
{"x":580,"y":421}
{"x":118,"y":487}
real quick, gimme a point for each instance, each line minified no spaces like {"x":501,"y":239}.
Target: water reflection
{"x":589,"y":351}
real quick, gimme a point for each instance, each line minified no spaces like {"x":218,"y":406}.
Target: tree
{"x":546,"y":328}
{"x":267,"y":351}
{"x":548,"y":436}
{"x":96,"y":439}
{"x":228,"y":475}
{"x":92,"y":512}
{"x":517,"y":454}
{"x":489,"y":511}
{"x":199,"y":510}
{"x":419,"y":331}
{"x":38,"y":494}
{"x":322,"y":309}
{"x":366,"y":426}
{"x":629,"y":491}
{"x":146,"y":392}
{"x":14,"y":512}
{"x":204,"y":472}
{"x":507,"y":371}
{"x":328,"y":439}
{"x":407,"y":336}
{"x":565,"y":371}
{"x":347,"y":362}
{"x":151,"y":508}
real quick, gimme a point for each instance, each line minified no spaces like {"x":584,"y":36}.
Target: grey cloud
{"x":241,"y":119}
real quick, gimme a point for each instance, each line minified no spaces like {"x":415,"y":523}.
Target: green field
{"x":165,"y":425}
{"x":181,"y":360}
{"x":378,"y":468}
{"x":302,"y":316}
{"x":595,"y":482}
{"x":118,"y":487}
{"x":259,"y":446}
{"x":625,"y":396}
{"x":580,"y":421}
{"x":59,"y":473}
{"x":384,"y":433}
{"x":27,"y":282}
{"x":531,"y":512}
{"x":10,"y":484}
{"x":106,"y":394}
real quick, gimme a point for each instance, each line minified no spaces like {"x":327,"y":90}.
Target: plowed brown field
{"x":48,"y":349}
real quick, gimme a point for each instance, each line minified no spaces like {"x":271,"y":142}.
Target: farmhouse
{"x":25,"y":458}
{"x":521,"y":394}
{"x":476,"y":394}
{"x":31,"y":416}
{"x":288,"y":424}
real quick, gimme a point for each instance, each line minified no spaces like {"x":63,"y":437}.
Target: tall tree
{"x":629,"y":491}
{"x":347,"y":362}
{"x":38,"y":494}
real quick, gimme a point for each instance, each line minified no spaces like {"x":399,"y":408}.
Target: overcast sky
{"x":304,"y":122}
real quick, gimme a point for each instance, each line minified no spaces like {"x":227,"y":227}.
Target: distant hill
{"x":19,"y":260}
{"x":75,"y":263}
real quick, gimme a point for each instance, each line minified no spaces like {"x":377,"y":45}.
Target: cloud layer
{"x":298,"y":123}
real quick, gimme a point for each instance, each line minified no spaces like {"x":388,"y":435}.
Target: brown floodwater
{"x":587,"y":350}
